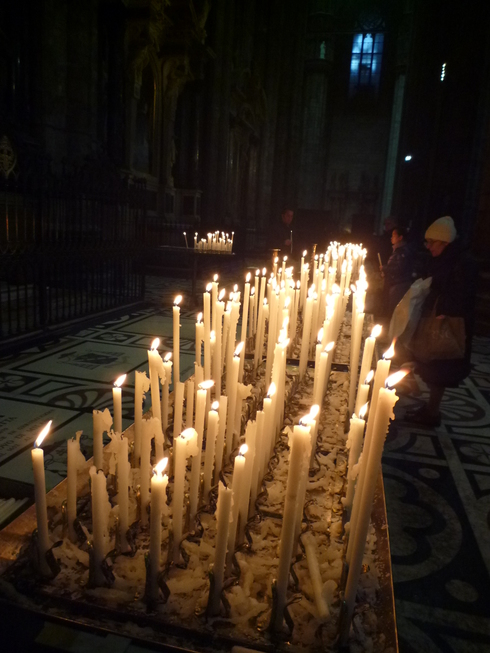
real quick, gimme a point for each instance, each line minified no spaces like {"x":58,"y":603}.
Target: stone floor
{"x":437,"y":481}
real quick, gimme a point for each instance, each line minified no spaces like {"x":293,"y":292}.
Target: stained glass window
{"x":365,"y":63}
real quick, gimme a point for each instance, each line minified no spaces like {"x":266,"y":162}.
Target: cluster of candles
{"x":214,"y":242}
{"x":291,"y":312}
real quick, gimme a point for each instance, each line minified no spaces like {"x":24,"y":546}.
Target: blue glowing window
{"x":365,"y":63}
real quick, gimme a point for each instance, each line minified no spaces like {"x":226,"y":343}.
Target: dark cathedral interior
{"x":128,"y":126}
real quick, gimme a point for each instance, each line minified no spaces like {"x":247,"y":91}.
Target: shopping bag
{"x":407,"y":312}
{"x":440,"y":338}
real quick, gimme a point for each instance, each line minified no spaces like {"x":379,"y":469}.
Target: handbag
{"x":439,"y":338}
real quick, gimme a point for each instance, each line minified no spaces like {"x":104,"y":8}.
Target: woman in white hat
{"x":452,"y":293}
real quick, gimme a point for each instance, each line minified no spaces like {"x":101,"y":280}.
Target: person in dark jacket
{"x":452,"y":293}
{"x":398,"y":271}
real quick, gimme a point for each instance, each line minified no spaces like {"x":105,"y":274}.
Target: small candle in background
{"x":176,"y":337}
{"x":117,"y":403}
{"x":43,"y":541}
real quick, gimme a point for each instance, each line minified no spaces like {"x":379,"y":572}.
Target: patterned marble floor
{"x":437,"y":481}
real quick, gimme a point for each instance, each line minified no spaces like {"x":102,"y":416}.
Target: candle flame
{"x":257,"y":273}
{"x":212,"y":335}
{"x":252,"y":292}
{"x":235,"y":288}
{"x":239,"y":348}
{"x":215,"y":405}
{"x":389,"y":353}
{"x":199,"y":318}
{"x":43,"y":434}
{"x":298,"y":285}
{"x":272,"y":390}
{"x":287,"y":302}
{"x":222,"y":294}
{"x":305,"y":253}
{"x":395,"y":378}
{"x":243,"y":450}
{"x":247,"y":278}
{"x":265,"y":301}
{"x":215,"y":278}
{"x":209,"y":287}
{"x":160,"y":466}
{"x":185,"y":233}
{"x":285,"y":258}
{"x":352,"y":287}
{"x":336,"y":288}
{"x":363,"y":410}
{"x":264,"y":271}
{"x":155,"y":344}
{"x":276,"y":259}
{"x":206,"y":385}
{"x":330,"y":346}
{"x":314,"y":410}
{"x":188,"y":433}
{"x":168,"y":356}
{"x":177,"y":300}
{"x":369,"y":377}
{"x":376,"y":331}
{"x":316,"y":257}
{"x":118,"y":382}
{"x":320,"y":335}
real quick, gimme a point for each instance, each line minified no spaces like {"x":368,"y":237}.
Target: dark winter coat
{"x":398,"y":273}
{"x":453,"y":293}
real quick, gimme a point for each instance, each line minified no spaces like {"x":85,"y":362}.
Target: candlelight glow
{"x":212,"y":335}
{"x":206,"y":385}
{"x":389,"y":353}
{"x":247,"y":278}
{"x":257,"y":273}
{"x":243,"y":450}
{"x":287,"y":302}
{"x":209,"y":287}
{"x":272,"y":390}
{"x":330,"y":346}
{"x":222,"y":294}
{"x":276,"y":259}
{"x":118,"y":382}
{"x":168,"y":356}
{"x":305,"y":253}
{"x":252,"y":292}
{"x":395,"y":378}
{"x":177,"y":300}
{"x":264,"y":271}
{"x":215,"y":278}
{"x":155,"y":344}
{"x":336,"y":288}
{"x":363,"y":410}
{"x":320,"y":335}
{"x":376,"y":331}
{"x":238,"y":350}
{"x":160,"y":466}
{"x":265,"y":301}
{"x":298,"y":285}
{"x":43,"y":434}
{"x":199,"y":318}
{"x":215,"y":405}
{"x":369,"y":377}
{"x":188,"y":433}
{"x":285,"y":258}
{"x":235,"y":288}
{"x":314,"y":410}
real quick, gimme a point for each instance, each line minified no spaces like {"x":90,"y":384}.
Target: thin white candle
{"x":356,"y":335}
{"x":354,"y":444}
{"x":199,"y":338}
{"x":367,"y":356}
{"x":167,"y":366}
{"x":220,"y":441}
{"x":232,"y":397}
{"x":176,"y":337}
{"x":75,"y":460}
{"x":100,"y":521}
{"x":189,"y":406}
{"x":223,"y":512}
{"x":117,"y":403}
{"x":43,"y":541}
{"x":123,"y":468}
{"x":141,"y":386}
{"x":305,"y":341}
{"x":150,"y":427}
{"x":178,"y":410}
{"x":207,"y":330}
{"x":202,"y":394}
{"x":237,"y":485}
{"x":159,"y":483}
{"x":102,"y":422}
{"x":185,"y":446}
{"x":363,"y":392}
{"x":211,"y":435}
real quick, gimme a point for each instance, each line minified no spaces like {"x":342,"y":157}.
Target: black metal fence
{"x":69,"y":246}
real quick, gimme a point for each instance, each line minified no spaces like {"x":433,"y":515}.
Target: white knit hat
{"x":442,"y":229}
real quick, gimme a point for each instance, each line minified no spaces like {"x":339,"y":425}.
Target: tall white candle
{"x":217,"y":368}
{"x":250,"y":441}
{"x":367,"y":356}
{"x":220,"y":441}
{"x":356,"y":335}
{"x":232,"y":397}
{"x":211,"y":435}
{"x":207,"y":330}
{"x":363,"y":392}
{"x":178,"y":408}
{"x":75,"y":460}
{"x":298,"y":465}
{"x":117,"y":403}
{"x":43,"y":541}
{"x":223,"y":513}
{"x":199,"y":338}
{"x":237,"y":485}
{"x":102,"y":422}
{"x":176,"y":337}
{"x":255,"y":306}
{"x":214,"y":301}
{"x":259,"y":340}
{"x":195,"y":483}
{"x":185,"y":446}
{"x":167,"y":366}
{"x":243,"y":333}
{"x":141,"y":386}
{"x":122,"y":492}
{"x":354,"y":443}
{"x":159,"y":483}
{"x":189,"y":406}
{"x":150,"y":427}
{"x":157,"y":372}
{"x":100,"y":521}
{"x":305,"y":340}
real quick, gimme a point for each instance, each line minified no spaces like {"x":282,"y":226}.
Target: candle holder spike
{"x":102,"y":577}
{"x":344,"y":626}
{"x":281,"y":627}
{"x":216,"y":605}
{"x":162,"y":589}
{"x":183,"y":553}
{"x":47,"y":568}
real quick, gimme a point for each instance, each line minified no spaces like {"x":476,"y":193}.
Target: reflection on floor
{"x":437,"y":481}
{"x":437,"y":484}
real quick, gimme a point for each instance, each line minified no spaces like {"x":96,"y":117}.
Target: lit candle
{"x":214,"y":301}
{"x":75,"y":461}
{"x":220,"y":440}
{"x":269,"y":438}
{"x":150,"y":427}
{"x":102,"y":422}
{"x":243,"y":333}
{"x":386,"y":401}
{"x":207,"y":330}
{"x":159,"y":483}
{"x":237,"y":483}
{"x":271,"y":337}
{"x":363,"y":392}
{"x":259,"y":341}
{"x":211,"y":435}
{"x":156,"y":371}
{"x":176,"y":337}
{"x":141,"y":386}
{"x":43,"y":541}
{"x":223,"y":512}
{"x":217,"y":364}
{"x":298,"y":465}
{"x":100,"y":521}
{"x":354,"y":444}
{"x":250,"y":441}
{"x":356,"y":335}
{"x":255,"y":306}
{"x":199,"y":338}
{"x":185,"y":446}
{"x":231,"y":389}
{"x":117,"y":403}
{"x":123,"y":468}
{"x":251,"y":313}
